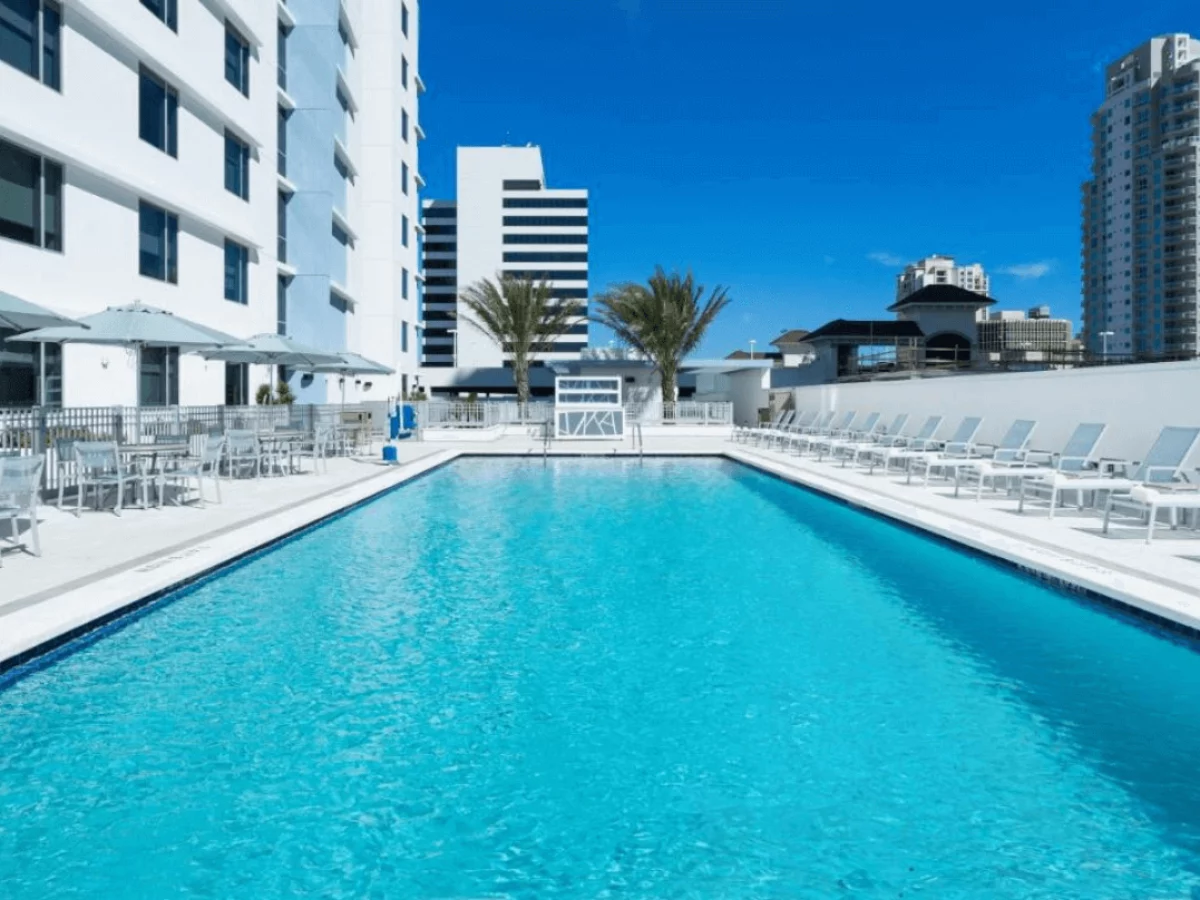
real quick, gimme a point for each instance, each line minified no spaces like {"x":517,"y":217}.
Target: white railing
{"x":489,"y":413}
{"x":681,"y":412}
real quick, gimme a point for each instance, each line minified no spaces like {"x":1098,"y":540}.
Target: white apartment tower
{"x":940,"y":270}
{"x":1140,"y":232}
{"x":503,"y":221}
{"x":251,"y":166}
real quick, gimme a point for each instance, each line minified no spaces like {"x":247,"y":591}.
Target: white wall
{"x":749,"y":391}
{"x":1135,"y":401}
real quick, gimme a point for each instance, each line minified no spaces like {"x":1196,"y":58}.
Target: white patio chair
{"x":1076,"y":458}
{"x":1162,"y":466}
{"x":1148,"y":501}
{"x":869,"y":426}
{"x":881,"y":454}
{"x":20,"y":481}
{"x":1012,"y":448}
{"x":100,"y":467}
{"x":789,"y":420}
{"x":960,"y":444}
{"x":834,"y":426}
{"x":882,"y":435}
{"x":243,"y":450}
{"x":742,"y":432}
{"x":196,"y":470}
{"x":64,"y":464}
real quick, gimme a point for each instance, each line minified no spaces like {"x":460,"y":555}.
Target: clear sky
{"x":796,"y":152}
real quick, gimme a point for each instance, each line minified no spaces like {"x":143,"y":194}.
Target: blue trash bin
{"x":389,"y":454}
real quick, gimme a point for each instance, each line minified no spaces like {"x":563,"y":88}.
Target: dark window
{"x":158,"y":112}
{"x":404,"y":230}
{"x":158,"y":380}
{"x":237,"y":272}
{"x":441,"y":212}
{"x":548,"y":221}
{"x":22,"y":368}
{"x":237,"y":166}
{"x":344,"y":34}
{"x":404,"y":177}
{"x":441,"y":281}
{"x":547,"y":257}
{"x":522,"y":185}
{"x":440,"y":229}
{"x":404,"y":71}
{"x":548,"y":274}
{"x":403,"y":337}
{"x":403,"y":284}
{"x":545,"y":203}
{"x":237,"y":60}
{"x":158,"y":243}
{"x":29,"y":38}
{"x":281,"y":317}
{"x":237,"y":384}
{"x":404,"y":18}
{"x":441,"y":264}
{"x":165,"y":11}
{"x":281,"y":135}
{"x":556,"y":347}
{"x":569,"y":293}
{"x":404,"y":124}
{"x":281,"y":226}
{"x":31,"y":198}
{"x":545,"y":239}
{"x":281,"y":55}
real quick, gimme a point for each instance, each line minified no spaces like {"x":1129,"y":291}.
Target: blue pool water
{"x":601,"y":678}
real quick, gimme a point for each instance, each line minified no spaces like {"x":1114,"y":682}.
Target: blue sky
{"x":794,"y":152}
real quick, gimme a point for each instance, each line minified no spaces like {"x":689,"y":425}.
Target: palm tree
{"x":522,"y":317}
{"x":664,"y":319}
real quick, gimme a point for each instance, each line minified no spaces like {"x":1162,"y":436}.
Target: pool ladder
{"x":638,"y":439}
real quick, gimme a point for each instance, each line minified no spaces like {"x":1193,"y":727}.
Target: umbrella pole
{"x":41,"y":374}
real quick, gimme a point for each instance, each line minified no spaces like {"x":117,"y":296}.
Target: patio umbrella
{"x":273,"y":350}
{"x":21,"y":315}
{"x":351,"y":364}
{"x":137,"y":326}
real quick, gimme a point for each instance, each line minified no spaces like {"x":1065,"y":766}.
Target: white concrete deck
{"x":94,"y":566}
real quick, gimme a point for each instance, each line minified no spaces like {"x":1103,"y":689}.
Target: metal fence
{"x":29,"y":430}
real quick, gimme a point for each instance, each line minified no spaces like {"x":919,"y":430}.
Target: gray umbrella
{"x":274,"y":350}
{"x":352,"y":364}
{"x":136,"y":326}
{"x":21,"y":315}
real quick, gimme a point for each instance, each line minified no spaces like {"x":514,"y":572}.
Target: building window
{"x":165,"y":11}
{"x":404,"y":177}
{"x":404,"y":124}
{"x":237,"y":166}
{"x":403,"y":337}
{"x":281,"y":317}
{"x":158,"y":112}
{"x":403,"y":283}
{"x":31,"y":198}
{"x":23,"y":367}
{"x":404,"y":71}
{"x":522,"y":185}
{"x":237,"y":384}
{"x":281,"y":140}
{"x":237,"y":60}
{"x":281,"y":226}
{"x":281,"y":55}
{"x":29,"y":38}
{"x":158,"y":380}
{"x":158,"y":243}
{"x":237,"y":272}
{"x":404,"y":230}
{"x":404,"y":18}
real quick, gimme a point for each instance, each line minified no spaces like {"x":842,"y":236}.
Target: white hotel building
{"x":504,"y":221}
{"x":248,"y":164}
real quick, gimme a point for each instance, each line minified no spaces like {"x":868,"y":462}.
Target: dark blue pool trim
{"x":49,"y":652}
{"x":1157,"y":624}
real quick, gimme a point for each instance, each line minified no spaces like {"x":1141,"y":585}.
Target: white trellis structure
{"x":588,"y":408}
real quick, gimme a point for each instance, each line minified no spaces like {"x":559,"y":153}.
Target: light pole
{"x":752,"y":343}
{"x":1104,"y":336}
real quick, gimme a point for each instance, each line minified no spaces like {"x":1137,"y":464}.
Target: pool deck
{"x":96,"y":566}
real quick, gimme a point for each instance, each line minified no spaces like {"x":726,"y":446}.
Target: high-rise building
{"x":1013,"y":334}
{"x":250,"y":166}
{"x":1140,"y":230}
{"x":940,"y":270}
{"x":503,"y":221}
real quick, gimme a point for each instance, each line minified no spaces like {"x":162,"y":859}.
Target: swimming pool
{"x":676,"y":678}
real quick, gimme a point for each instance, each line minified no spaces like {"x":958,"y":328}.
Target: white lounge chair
{"x":1075,"y":459}
{"x":742,"y":432}
{"x":880,"y":454}
{"x":758,"y":435}
{"x":20,"y":481}
{"x":858,"y":432}
{"x":850,"y":449}
{"x":1010,"y":449}
{"x":1161,"y":466}
{"x":815,"y":424}
{"x":959,"y":444}
{"x":1148,"y":501}
{"x":802,"y":442}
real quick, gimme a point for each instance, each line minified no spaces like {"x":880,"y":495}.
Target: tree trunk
{"x":668,"y":391}
{"x":521,"y":376}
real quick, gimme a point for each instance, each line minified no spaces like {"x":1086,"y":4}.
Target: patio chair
{"x":1148,"y":501}
{"x":802,"y":442}
{"x":784,"y":422}
{"x":20,"y":481}
{"x":1012,"y":448}
{"x":243,"y":450}
{"x":207,"y":466}
{"x":866,"y":428}
{"x":850,"y":449}
{"x":64,"y":464}
{"x":1162,"y":466}
{"x":740,"y":432}
{"x":1075,"y":459}
{"x":100,"y":467}
{"x":958,"y":444}
{"x":815,"y":423}
{"x":880,"y":454}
